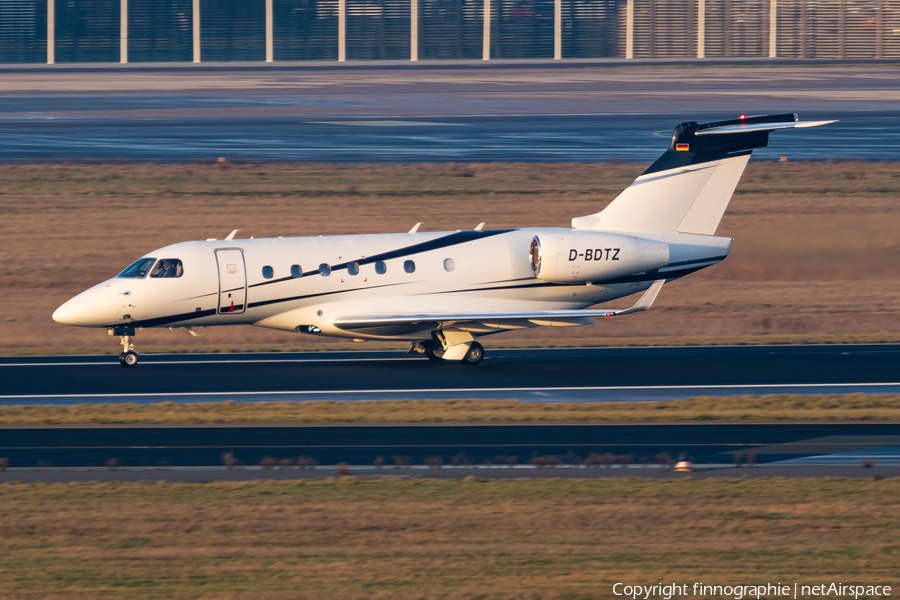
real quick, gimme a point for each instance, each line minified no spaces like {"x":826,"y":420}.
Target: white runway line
{"x":466,"y":390}
{"x":207,"y":362}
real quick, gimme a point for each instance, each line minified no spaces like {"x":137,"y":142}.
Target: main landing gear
{"x":435,"y":352}
{"x":128,"y":357}
{"x":474,"y":355}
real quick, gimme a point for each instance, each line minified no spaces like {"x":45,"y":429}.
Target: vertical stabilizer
{"x":688,"y":188}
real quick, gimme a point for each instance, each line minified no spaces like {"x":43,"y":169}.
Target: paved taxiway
{"x":546,"y":375}
{"x":50,"y":475}
{"x":804,"y":444}
{"x":569,"y":111}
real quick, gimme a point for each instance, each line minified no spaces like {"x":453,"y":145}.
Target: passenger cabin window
{"x":296,"y":271}
{"x":138,"y":269}
{"x":409,"y":266}
{"x":268,"y":272}
{"x":380,"y":267}
{"x":324,"y":270}
{"x":449,"y":264}
{"x":168,"y":267}
{"x":353,"y":268}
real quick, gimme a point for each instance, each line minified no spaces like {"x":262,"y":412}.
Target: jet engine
{"x":582,"y":256}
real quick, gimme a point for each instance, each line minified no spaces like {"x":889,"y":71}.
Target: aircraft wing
{"x":485,"y":322}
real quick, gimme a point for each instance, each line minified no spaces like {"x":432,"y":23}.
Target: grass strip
{"x":815,"y":256}
{"x":776,"y":407}
{"x":336,"y":539}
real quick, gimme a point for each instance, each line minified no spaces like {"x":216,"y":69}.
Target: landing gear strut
{"x":128,"y":357}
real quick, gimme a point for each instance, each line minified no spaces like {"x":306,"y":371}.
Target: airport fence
{"x":273,"y":30}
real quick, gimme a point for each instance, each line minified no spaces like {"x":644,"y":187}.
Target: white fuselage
{"x":254,"y":281}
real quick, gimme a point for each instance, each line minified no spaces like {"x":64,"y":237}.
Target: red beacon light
{"x":742,"y":117}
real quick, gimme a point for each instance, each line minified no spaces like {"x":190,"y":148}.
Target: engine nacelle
{"x":582,"y":256}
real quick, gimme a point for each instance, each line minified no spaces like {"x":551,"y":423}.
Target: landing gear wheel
{"x":474,"y":355}
{"x":128,"y":359}
{"x":434,"y":351}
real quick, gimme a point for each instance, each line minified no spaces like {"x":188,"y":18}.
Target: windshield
{"x":138,"y":269}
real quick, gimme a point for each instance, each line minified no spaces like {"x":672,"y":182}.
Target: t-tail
{"x":688,"y":188}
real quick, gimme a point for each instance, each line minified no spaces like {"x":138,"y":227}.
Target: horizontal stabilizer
{"x":762,"y":127}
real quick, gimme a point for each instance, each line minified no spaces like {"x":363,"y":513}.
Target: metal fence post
{"x":629,"y":29}
{"x":51,"y":32}
{"x":486,"y":33}
{"x":701,"y":28}
{"x":123,"y":32}
{"x":196,"y":19}
{"x":842,"y":28}
{"x":557,"y":30}
{"x":342,"y":30}
{"x":414,"y":30}
{"x":270,"y":27}
{"x":773,"y":28}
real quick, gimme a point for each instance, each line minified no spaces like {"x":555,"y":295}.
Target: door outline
{"x":220,"y":299}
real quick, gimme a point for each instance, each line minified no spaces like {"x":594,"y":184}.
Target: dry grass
{"x":816,"y":254}
{"x":350,"y":538}
{"x":791,"y":407}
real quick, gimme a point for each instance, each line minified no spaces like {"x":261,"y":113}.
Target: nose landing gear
{"x":128,"y":357}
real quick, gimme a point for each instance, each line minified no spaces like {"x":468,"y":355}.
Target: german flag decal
{"x":682,"y":147}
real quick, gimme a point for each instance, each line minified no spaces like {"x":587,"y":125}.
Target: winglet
{"x":416,"y":227}
{"x":645,"y":301}
{"x":231,"y":235}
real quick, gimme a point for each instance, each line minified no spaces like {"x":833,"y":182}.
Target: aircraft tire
{"x":434,"y":351}
{"x":128,"y":359}
{"x":474,"y":355}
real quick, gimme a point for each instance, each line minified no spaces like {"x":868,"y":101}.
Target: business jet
{"x":440,"y":291}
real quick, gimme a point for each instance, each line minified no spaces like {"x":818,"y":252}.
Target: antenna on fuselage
{"x":480,"y":226}
{"x":231,"y":235}
{"x":416,"y":227}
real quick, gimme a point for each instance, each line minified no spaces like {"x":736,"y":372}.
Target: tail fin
{"x":688,"y":188}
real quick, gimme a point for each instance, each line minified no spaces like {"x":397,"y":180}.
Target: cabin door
{"x":232,"y":281}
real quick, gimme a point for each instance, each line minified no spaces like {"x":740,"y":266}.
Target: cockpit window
{"x":138,"y":269}
{"x":168,"y":267}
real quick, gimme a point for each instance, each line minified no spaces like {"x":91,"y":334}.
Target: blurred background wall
{"x":35,"y":31}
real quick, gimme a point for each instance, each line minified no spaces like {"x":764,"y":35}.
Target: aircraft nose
{"x":96,"y":307}
{"x":67,"y":314}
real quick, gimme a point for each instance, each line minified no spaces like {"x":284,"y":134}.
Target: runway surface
{"x":546,"y":375}
{"x":433,"y":113}
{"x":800,"y":444}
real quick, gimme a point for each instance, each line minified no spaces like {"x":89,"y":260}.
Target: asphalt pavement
{"x":579,"y":111}
{"x":545,"y":375}
{"x":155,"y":446}
{"x":653,"y":472}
